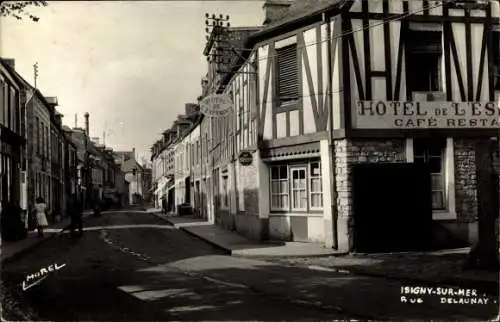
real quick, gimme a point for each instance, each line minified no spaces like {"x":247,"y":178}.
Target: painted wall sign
{"x":216,"y":105}
{"x":245,"y":158}
{"x":426,"y":115}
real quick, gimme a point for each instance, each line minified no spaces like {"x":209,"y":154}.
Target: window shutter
{"x":288,"y":85}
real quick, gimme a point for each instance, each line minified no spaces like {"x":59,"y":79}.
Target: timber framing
{"x":463,"y":73}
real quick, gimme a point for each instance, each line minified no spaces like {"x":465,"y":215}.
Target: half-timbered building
{"x":333,"y":94}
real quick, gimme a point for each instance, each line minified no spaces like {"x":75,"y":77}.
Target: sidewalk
{"x":431,"y":268}
{"x":234,"y":244}
{"x":10,"y":250}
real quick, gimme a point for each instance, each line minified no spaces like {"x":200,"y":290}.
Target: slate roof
{"x":298,"y":10}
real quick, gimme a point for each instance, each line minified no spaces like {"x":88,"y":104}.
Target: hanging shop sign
{"x":426,"y":115}
{"x":245,"y":158}
{"x":216,"y":105}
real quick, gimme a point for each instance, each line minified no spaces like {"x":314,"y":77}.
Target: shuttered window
{"x":287,"y":71}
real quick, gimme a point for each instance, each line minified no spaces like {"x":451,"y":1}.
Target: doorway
{"x":392,"y":207}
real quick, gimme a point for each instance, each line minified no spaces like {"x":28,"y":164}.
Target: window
{"x":13,"y":110}
{"x":496,"y":58}
{"x":279,"y":187}
{"x":1,"y":100}
{"x":37,"y":134}
{"x":299,"y":188}
{"x":225,"y":201}
{"x":296,"y":187}
{"x":423,"y":62}
{"x":316,"y":189}
{"x":432,"y":152}
{"x":6,"y":104}
{"x":287,"y":74}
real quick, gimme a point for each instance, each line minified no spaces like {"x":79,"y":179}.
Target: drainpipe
{"x":235,"y":113}
{"x":333,"y":178}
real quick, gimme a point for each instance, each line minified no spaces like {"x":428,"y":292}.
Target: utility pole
{"x":35,"y":73}
{"x":484,"y":255}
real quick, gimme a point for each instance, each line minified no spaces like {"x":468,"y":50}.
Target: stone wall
{"x":348,"y":152}
{"x":465,"y":180}
{"x":247,"y":221}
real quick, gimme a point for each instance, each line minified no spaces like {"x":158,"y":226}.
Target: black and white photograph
{"x":250,"y":160}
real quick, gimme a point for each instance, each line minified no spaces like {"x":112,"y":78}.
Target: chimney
{"x":52,"y":100}
{"x":87,"y":124}
{"x":133,"y":153}
{"x":191,"y":108}
{"x":275,"y":9}
{"x":10,"y":62}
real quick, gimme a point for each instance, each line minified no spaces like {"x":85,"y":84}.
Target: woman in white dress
{"x":41,"y":218}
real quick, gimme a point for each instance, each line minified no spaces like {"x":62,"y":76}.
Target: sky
{"x":132,"y":65}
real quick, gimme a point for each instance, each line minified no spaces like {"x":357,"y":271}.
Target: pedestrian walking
{"x":164,"y":205}
{"x":76,"y":216}
{"x":97,"y":208}
{"x":41,"y":215}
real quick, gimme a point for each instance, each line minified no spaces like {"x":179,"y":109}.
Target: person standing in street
{"x":41,"y":216}
{"x":164,"y":205}
{"x":76,"y":216}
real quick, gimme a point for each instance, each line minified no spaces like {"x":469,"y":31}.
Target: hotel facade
{"x":362,"y":125}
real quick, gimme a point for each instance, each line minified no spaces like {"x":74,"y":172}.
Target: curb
{"x":226,"y":250}
{"x":264,"y":257}
{"x":230,"y":252}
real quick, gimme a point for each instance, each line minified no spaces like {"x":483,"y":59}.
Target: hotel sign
{"x":216,"y":105}
{"x":426,"y":115}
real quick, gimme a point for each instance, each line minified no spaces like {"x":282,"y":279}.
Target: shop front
{"x":298,"y":186}
{"x":426,"y":162}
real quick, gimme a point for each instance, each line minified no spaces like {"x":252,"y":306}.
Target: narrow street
{"x":132,"y":266}
{"x":111,"y":274}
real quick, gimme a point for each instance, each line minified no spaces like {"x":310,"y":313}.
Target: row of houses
{"x":41,"y":157}
{"x":362,"y":125}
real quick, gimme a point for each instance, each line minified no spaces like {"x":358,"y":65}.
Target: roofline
{"x":298,"y":22}
{"x":10,"y":73}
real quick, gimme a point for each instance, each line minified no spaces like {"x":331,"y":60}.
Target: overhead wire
{"x":349,"y":32}
{"x":346,"y":33}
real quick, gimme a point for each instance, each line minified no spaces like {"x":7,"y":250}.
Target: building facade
{"x":312,"y":130}
{"x":362,"y":125}
{"x":133,"y":173}
{"x":313,"y":114}
{"x":12,"y":135}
